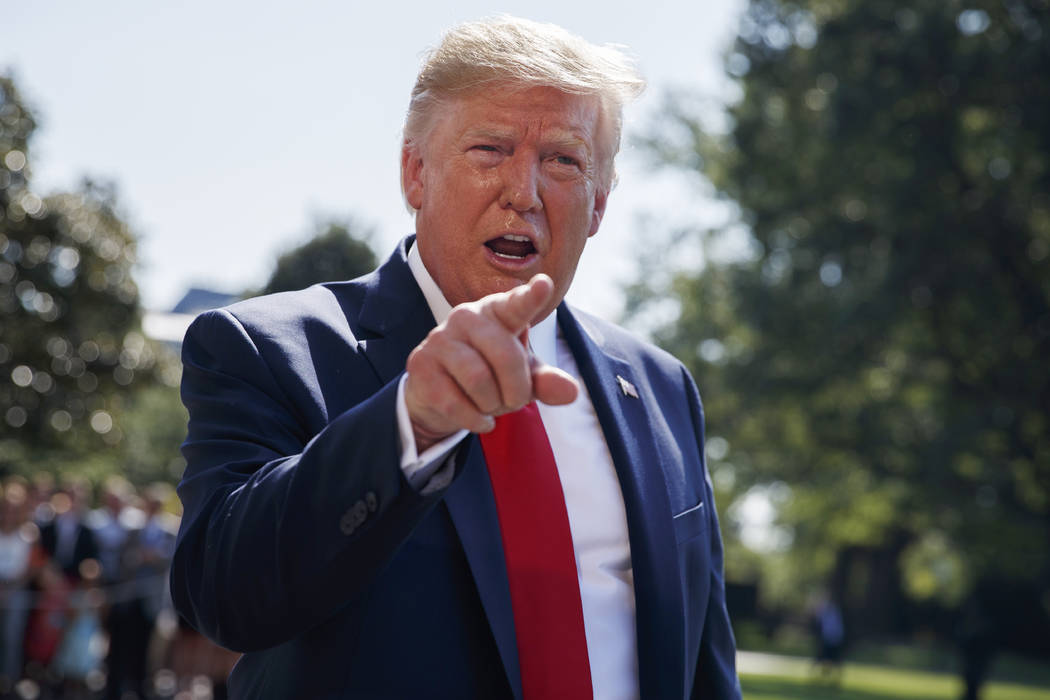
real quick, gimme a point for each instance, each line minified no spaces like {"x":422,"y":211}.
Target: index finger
{"x":516,"y":309}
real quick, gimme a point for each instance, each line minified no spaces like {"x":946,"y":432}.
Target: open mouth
{"x":511,"y":246}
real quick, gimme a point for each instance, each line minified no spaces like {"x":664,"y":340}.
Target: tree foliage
{"x":72,"y":354}
{"x":334,"y":252}
{"x":882,"y":351}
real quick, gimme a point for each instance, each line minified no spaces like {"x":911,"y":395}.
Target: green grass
{"x":786,"y":678}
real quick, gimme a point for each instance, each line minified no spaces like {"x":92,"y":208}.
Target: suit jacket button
{"x":360,"y":512}
{"x":371,"y":501}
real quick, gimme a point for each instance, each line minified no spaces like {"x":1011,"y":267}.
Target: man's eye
{"x":566,"y":160}
{"x":486,"y":147}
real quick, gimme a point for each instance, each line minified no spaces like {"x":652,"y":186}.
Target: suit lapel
{"x":472,"y":507}
{"x":394,"y":316}
{"x":397,"y":317}
{"x":629,"y":430}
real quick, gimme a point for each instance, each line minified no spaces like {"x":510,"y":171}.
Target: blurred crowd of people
{"x":84,"y":605}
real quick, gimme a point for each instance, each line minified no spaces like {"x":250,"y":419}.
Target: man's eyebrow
{"x":487,"y":132}
{"x":568,"y":139}
{"x":555,"y":137}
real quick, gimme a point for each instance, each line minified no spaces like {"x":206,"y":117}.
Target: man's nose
{"x":521,"y":183}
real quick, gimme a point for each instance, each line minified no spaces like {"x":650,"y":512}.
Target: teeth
{"x":508,"y":257}
{"x":516,"y":238}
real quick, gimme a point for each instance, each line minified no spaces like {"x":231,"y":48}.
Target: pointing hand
{"x":476,"y":366}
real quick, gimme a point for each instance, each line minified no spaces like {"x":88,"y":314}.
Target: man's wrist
{"x":424,"y":456}
{"x":426,"y":439}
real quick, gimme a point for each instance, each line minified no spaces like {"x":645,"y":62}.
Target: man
{"x":367,"y":460}
{"x":65,"y":536}
{"x":18,"y":539}
{"x":114,"y":527}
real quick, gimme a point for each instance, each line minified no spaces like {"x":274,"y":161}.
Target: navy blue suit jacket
{"x":303,"y":546}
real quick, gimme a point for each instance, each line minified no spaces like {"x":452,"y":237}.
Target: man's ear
{"x":412,"y":175}
{"x":601,"y":198}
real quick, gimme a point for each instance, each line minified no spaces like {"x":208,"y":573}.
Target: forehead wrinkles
{"x":557,"y":123}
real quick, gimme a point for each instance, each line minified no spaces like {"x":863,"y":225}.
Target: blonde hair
{"x":507,"y":50}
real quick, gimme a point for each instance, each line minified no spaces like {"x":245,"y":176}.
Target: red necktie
{"x":541,"y":563}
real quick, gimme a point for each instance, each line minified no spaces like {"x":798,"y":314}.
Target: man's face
{"x":506,"y":186}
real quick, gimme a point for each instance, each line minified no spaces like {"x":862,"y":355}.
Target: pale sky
{"x":228,"y":125}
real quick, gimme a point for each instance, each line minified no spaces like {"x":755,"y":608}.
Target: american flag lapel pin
{"x":627,"y":388}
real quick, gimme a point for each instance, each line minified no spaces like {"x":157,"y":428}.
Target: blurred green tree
{"x":72,"y":354}
{"x":881,"y":352}
{"x":338,"y":250}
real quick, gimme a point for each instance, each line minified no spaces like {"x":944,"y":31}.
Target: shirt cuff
{"x":434,"y":465}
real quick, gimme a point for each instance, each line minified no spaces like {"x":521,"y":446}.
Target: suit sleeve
{"x":281,"y":527}
{"x":716,"y":675}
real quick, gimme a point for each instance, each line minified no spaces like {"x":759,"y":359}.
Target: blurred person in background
{"x":438,"y":480}
{"x":65,"y":536}
{"x":154,"y":550}
{"x":830,"y":632}
{"x":976,"y":632}
{"x":76,"y":666}
{"x":134,"y":614}
{"x":48,"y":620}
{"x":111,"y":527}
{"x":62,"y":634}
{"x":114,"y":524}
{"x":38,"y":497}
{"x":18,"y":538}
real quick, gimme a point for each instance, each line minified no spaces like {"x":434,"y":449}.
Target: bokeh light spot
{"x":61,"y":421}
{"x":971,"y":22}
{"x":831,"y":273}
{"x":101,"y":422}
{"x":716,"y":448}
{"x":15,"y":160}
{"x":22,"y":376}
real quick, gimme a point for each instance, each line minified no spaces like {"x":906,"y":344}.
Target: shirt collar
{"x":542,"y":336}
{"x":435,"y":299}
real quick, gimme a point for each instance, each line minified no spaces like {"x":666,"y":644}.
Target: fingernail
{"x":488,"y":424}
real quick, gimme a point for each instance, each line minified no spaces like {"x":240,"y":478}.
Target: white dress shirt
{"x":593,"y":499}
